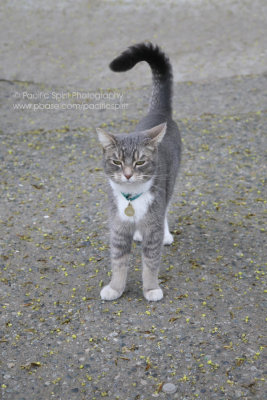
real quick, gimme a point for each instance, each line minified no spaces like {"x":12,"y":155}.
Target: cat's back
{"x":171,"y":143}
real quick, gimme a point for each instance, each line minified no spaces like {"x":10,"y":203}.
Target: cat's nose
{"x":128,"y":176}
{"x":128,"y":173}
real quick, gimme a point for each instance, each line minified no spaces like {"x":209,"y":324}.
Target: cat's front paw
{"x":153,"y":295}
{"x":107,"y":293}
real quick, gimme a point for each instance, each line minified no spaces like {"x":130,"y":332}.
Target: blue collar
{"x":129,"y":197}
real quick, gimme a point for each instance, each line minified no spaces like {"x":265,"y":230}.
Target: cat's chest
{"x":139,"y":206}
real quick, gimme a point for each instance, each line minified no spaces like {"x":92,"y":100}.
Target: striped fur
{"x":156,"y":140}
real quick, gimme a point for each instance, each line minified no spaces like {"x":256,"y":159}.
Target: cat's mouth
{"x":127,"y":179}
{"x":134,"y":179}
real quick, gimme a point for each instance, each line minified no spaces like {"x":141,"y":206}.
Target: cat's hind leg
{"x":138,"y":236}
{"x":168,"y":238}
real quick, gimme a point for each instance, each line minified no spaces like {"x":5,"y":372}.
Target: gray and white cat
{"x":141,"y":168}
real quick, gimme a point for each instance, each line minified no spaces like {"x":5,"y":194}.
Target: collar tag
{"x":129,"y":210}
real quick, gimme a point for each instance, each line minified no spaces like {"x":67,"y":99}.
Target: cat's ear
{"x":156,"y":134}
{"x":106,"y":139}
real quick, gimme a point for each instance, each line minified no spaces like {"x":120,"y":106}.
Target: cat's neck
{"x":134,"y":188}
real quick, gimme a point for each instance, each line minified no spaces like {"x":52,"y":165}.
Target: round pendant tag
{"x":129,"y":210}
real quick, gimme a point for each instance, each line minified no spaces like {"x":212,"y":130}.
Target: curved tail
{"x":161,"y":98}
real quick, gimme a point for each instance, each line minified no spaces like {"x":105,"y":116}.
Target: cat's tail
{"x":161,"y":98}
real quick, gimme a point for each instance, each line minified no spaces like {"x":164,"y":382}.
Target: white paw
{"x":137,"y":236}
{"x":153,"y":295}
{"x":107,"y":293}
{"x":168,"y":238}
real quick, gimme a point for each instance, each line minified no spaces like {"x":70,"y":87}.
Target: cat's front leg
{"x":116,"y":287}
{"x":120,"y":246}
{"x":151,"y":257}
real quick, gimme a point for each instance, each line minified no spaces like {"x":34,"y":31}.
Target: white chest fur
{"x":140,"y":205}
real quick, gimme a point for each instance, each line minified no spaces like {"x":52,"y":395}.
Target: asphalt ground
{"x":207,"y":336}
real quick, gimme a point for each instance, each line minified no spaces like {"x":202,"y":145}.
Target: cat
{"x":141,"y":168}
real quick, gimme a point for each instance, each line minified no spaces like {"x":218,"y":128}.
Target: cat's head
{"x":131,"y":158}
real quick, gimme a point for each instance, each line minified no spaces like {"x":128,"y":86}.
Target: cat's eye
{"x":140,"y":163}
{"x":116,"y":162}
